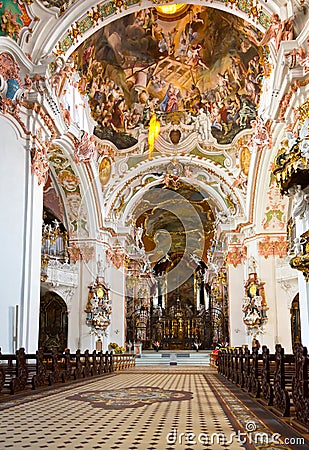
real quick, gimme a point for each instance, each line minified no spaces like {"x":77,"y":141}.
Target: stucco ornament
{"x":304,"y":139}
{"x":9,"y":24}
{"x":10,"y":81}
{"x":116,"y":255}
{"x":39,"y":165}
{"x":84,"y":148}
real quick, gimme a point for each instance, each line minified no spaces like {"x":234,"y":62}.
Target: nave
{"x":145,"y":408}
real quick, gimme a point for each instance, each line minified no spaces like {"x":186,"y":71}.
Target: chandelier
{"x":98,"y":308}
{"x":171,"y":11}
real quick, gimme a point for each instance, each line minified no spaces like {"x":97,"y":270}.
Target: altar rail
{"x":280,"y":381}
{"x":22,"y":372}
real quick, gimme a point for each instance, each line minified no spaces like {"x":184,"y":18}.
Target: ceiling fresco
{"x":175,"y":224}
{"x":201,"y":61}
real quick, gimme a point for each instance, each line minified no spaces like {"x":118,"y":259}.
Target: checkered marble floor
{"x":59,"y":419}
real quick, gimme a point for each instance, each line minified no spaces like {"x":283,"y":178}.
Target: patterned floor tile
{"x":178,"y":409}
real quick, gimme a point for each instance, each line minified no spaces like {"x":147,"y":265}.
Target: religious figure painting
{"x":143,"y":63}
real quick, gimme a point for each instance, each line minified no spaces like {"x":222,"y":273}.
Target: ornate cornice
{"x":81,"y":251}
{"x":275,"y":247}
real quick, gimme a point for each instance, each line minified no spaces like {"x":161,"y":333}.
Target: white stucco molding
{"x":61,"y":279}
{"x":208,"y":177}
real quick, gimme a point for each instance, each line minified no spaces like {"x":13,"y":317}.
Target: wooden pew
{"x":256,"y":373}
{"x":268,"y":373}
{"x":236,"y":359}
{"x":241,"y":368}
{"x":247,"y":370}
{"x":283,"y":375}
{"x":222,"y":361}
{"x":300,"y":389}
{"x":17,"y":371}
{"x":40,"y":376}
{"x":95,"y":365}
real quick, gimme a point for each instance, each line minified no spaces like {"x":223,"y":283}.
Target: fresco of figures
{"x":204,"y":60}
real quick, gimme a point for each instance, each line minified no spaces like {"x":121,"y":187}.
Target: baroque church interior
{"x":155,"y":192}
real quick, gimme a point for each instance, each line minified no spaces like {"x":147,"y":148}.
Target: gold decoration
{"x":245,"y":157}
{"x":303,"y":112}
{"x":291,"y":164}
{"x":290,"y":168}
{"x":301,"y":261}
{"x":105,"y":171}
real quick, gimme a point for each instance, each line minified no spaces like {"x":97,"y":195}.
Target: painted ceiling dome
{"x":204,"y":59}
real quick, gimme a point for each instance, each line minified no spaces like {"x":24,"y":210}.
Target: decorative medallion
{"x":132,"y":397}
{"x":104,"y":171}
{"x":175,"y":136}
{"x":245,"y":157}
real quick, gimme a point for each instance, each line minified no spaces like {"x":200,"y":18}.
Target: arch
{"x":73,"y":182}
{"x":77,"y":25}
{"x":204,"y":171}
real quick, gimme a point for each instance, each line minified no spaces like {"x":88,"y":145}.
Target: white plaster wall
{"x":79,"y":336}
{"x":277,"y":315}
{"x":13,"y":179}
{"x":117,"y":295}
{"x":304,"y":309}
{"x":238,"y":335}
{"x":30,"y":309}
{"x":287,"y":288}
{"x":301,"y":227}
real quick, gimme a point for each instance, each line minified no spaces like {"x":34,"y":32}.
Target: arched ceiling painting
{"x":143,"y":62}
{"x":177,"y":229}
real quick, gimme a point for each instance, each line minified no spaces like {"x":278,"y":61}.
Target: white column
{"x":116,"y":330}
{"x":79,"y":331}
{"x":30,"y":295}
{"x":277,"y":313}
{"x":301,"y":227}
{"x":238,"y":334}
{"x":304,"y":308}
{"x":21,"y":202}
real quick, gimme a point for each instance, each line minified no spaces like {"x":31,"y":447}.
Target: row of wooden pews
{"x":21,"y":372}
{"x":278,"y":380}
